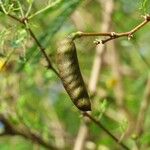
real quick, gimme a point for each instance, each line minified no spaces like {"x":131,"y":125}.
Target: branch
{"x":112,"y":35}
{"x":12,"y":130}
{"x":129,"y":34}
{"x":24,"y":21}
{"x":50,"y":6}
{"x":118,"y":88}
{"x":106,"y":130}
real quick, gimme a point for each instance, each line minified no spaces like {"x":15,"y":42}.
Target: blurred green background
{"x":32,"y":97}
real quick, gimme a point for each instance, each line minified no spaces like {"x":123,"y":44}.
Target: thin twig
{"x":9,"y":128}
{"x":29,"y":9}
{"x":42,"y":49}
{"x":113,"y":35}
{"x":129,"y":34}
{"x":54,"y":4}
{"x":106,"y":130}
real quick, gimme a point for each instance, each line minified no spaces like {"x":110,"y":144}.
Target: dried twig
{"x":129,"y":34}
{"x":113,"y":35}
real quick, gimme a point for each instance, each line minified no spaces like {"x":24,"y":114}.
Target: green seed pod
{"x":70,"y":74}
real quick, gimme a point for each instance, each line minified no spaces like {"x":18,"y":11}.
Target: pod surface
{"x":70,"y":74}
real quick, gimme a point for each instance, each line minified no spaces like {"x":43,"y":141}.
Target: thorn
{"x":130,"y":36}
{"x":147,"y":17}
{"x":97,"y":41}
{"x":113,"y":34}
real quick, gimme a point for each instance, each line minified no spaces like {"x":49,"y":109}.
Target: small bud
{"x":97,"y":41}
{"x":130,"y":36}
{"x":147,"y":17}
{"x":113,"y":34}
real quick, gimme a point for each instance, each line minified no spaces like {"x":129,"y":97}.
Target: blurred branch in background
{"x":113,"y":35}
{"x":118,"y":87}
{"x":83,"y":132}
{"x":11,"y":130}
{"x":108,"y":7}
{"x":105,"y":130}
{"x":139,"y":127}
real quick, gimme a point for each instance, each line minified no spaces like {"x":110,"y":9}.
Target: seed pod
{"x":71,"y":76}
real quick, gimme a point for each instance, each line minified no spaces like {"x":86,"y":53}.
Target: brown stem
{"x":42,"y":49}
{"x":129,"y":34}
{"x":115,"y":35}
{"x":106,"y":130}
